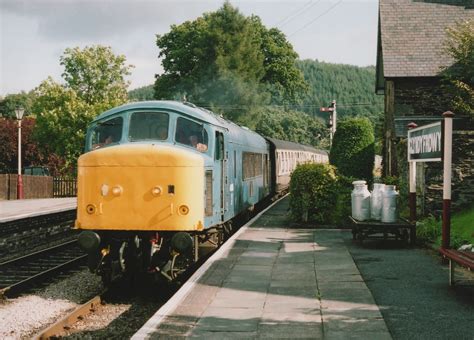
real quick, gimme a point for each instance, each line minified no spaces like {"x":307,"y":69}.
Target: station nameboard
{"x":425,"y":143}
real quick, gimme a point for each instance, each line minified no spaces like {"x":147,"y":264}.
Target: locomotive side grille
{"x":208,"y":193}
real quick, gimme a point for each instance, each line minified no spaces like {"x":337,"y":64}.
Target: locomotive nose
{"x":141,"y":187}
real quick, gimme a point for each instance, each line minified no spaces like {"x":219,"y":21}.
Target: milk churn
{"x":360,"y":201}
{"x":376,"y":201}
{"x":389,"y":204}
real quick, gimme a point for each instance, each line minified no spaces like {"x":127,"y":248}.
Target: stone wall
{"x":420,"y":97}
{"x":462,"y":175}
{"x":415,"y":97}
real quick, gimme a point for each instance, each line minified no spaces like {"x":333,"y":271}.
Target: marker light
{"x":156,"y":191}
{"x":117,"y":190}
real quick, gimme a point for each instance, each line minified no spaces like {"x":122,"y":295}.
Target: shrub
{"x":312,"y":189}
{"x":428,"y":230}
{"x":343,"y":199}
{"x":353,"y":149}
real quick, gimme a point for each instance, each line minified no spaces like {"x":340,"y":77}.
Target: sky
{"x":35,"y":33}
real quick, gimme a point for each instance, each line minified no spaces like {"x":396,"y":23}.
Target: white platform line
{"x":152,"y":324}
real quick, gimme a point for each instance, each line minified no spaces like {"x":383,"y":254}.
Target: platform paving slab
{"x":18,"y":209}
{"x":277,"y":282}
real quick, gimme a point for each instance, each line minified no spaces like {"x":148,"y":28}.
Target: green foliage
{"x":459,"y":45}
{"x":462,"y":229}
{"x":96,"y":74}
{"x":352,"y":150}
{"x":351,"y":86}
{"x":312,"y":188}
{"x":227,"y":62}
{"x":12,"y":101}
{"x":343,"y":191}
{"x":94,"y":83}
{"x":142,"y":93}
{"x":428,"y":230}
{"x":291,"y":126}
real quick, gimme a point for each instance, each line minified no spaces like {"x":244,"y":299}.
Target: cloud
{"x":87,"y":20}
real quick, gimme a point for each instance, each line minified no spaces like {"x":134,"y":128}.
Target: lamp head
{"x":19,"y":111}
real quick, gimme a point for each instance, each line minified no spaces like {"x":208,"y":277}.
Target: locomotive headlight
{"x":183,"y":210}
{"x":104,"y":190}
{"x":117,"y":190}
{"x":90,"y":209}
{"x":156,"y":191}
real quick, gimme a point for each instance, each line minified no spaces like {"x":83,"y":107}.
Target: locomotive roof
{"x":286,"y":145}
{"x":186,"y":108}
{"x":240,"y":135}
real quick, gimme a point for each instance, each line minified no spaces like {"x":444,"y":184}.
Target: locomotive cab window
{"x":106,"y":133}
{"x":149,"y":126}
{"x":192,"y":134}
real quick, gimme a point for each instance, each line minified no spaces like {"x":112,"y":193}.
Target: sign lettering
{"x":425,"y":143}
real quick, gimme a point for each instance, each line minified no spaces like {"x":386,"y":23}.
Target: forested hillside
{"x":352,"y":87}
{"x":141,"y":93}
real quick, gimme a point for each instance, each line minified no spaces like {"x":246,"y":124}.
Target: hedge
{"x":353,"y":149}
{"x":313,"y":190}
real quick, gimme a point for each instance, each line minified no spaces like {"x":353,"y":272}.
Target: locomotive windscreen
{"x":149,"y":126}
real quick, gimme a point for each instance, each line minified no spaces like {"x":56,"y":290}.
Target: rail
{"x":18,"y":273}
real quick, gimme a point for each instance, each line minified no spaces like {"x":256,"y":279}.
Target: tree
{"x":94,"y":83}
{"x":142,"y":93}
{"x":352,"y":150}
{"x":31,"y":155}
{"x":292,"y":126}
{"x":227,"y":62}
{"x":96,"y":74}
{"x":12,"y":101}
{"x":459,"y":44}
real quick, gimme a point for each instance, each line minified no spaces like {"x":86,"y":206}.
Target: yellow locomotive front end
{"x":138,"y":207}
{"x":140,"y":187}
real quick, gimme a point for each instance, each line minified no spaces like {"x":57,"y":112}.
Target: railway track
{"x":19,"y":273}
{"x":59,"y":327}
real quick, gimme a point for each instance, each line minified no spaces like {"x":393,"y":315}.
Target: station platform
{"x":19,"y":209}
{"x":272,"y":281}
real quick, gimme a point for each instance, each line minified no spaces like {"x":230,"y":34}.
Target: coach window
{"x":106,"y":133}
{"x":149,"y":126}
{"x":192,"y":134}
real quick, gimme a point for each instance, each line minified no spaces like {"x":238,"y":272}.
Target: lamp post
{"x":19,"y":186}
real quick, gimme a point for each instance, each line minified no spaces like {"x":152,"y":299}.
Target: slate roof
{"x":411,"y":33}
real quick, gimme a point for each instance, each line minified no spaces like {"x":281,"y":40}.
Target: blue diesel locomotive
{"x":159,"y":178}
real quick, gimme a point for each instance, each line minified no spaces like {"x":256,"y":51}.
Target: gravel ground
{"x":411,"y":287}
{"x":22,"y":317}
{"x":125,"y":310}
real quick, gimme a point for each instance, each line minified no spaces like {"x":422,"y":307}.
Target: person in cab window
{"x":108,"y":140}
{"x":194,"y":142}
{"x":162,"y":133}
